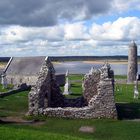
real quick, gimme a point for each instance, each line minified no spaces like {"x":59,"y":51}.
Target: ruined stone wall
{"x":45,"y":93}
{"x":90,"y":83}
{"x":100,"y":106}
{"x":97,"y":100}
{"x":101,"y":102}
{"x":38,"y":94}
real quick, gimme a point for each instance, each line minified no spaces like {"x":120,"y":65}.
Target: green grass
{"x":76,"y":85}
{"x":76,"y":77}
{"x":54,"y":128}
{"x":76,"y":90}
{"x":14,"y":104}
{"x":9,"y":87}
{"x":125,"y":93}
{"x":57,"y":128}
{"x":128,"y":107}
{"x":20,"y":133}
{"x":120,"y":77}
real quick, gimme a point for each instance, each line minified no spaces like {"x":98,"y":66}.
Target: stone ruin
{"x":45,"y":98}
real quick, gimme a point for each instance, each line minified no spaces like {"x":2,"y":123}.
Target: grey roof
{"x":25,"y":65}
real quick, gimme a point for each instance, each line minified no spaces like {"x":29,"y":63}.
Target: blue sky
{"x":62,"y":27}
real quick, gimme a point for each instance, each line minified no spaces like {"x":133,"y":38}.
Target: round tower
{"x":132,"y":63}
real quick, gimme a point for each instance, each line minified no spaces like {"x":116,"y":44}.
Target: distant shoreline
{"x":97,"y":62}
{"x":109,"y":61}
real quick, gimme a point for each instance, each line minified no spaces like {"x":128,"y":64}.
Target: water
{"x":79,"y":67}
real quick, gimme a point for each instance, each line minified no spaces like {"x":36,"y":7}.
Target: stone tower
{"x":132,"y":63}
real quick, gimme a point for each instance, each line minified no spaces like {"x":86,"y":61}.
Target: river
{"x":80,"y":67}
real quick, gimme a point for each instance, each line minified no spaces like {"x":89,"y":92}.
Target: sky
{"x":68,"y":27}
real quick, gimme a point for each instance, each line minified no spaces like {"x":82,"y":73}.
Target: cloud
{"x":49,"y":12}
{"x":14,"y":34}
{"x":123,"y":5}
{"x":70,"y":39}
{"x":122,"y":29}
{"x":76,"y":31}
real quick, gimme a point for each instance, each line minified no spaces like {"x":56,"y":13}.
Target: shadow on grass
{"x":74,"y":85}
{"x":76,"y":94}
{"x":19,"y":122}
{"x":128,"y":110}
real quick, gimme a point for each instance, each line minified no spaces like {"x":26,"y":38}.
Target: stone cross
{"x":67,"y":84}
{"x":4,"y":81}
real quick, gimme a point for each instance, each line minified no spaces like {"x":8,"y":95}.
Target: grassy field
{"x":56,"y":128}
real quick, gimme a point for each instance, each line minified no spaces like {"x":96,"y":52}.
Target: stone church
{"x":23,"y":70}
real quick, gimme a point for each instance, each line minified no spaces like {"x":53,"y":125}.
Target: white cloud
{"x":13,"y":34}
{"x":121,"y":29}
{"x":76,"y":31}
{"x":70,"y":39}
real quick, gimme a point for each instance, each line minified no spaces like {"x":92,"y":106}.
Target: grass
{"x":120,"y":76}
{"x":125,"y":93}
{"x":76,"y":90}
{"x":14,"y":105}
{"x":57,"y":128}
{"x":10,"y":86}
{"x":76,"y":85}
{"x":22,"y":133}
{"x":76,"y":77}
{"x":127,"y":106}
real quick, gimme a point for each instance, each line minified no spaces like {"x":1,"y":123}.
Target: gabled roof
{"x":25,"y":65}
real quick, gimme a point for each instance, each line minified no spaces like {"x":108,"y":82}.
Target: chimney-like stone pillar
{"x":132,"y":63}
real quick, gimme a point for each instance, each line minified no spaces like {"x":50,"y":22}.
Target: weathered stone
{"x":87,"y":129}
{"x":97,"y":100}
{"x":132,"y":63}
